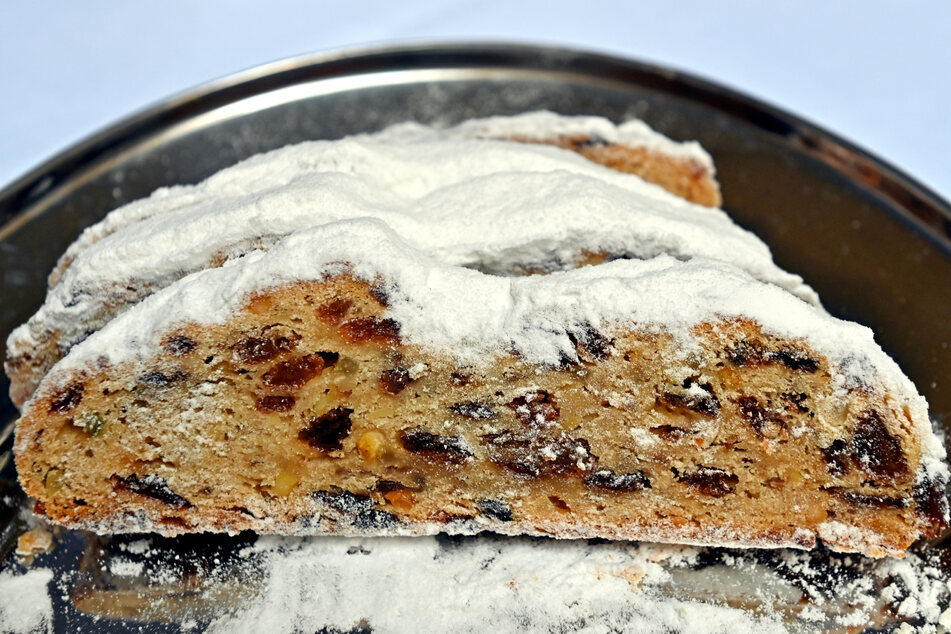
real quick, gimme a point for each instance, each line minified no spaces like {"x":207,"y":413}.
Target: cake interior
{"x":306,"y":413}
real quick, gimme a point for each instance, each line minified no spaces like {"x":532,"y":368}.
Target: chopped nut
{"x":53,"y":481}
{"x":371,"y":446}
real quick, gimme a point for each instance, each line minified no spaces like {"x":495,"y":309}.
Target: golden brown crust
{"x":305,"y":413}
{"x":681,"y":176}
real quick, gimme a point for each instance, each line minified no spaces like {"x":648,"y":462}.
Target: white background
{"x":876,"y":72}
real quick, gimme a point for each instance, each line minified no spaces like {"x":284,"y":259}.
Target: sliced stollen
{"x":352,"y":381}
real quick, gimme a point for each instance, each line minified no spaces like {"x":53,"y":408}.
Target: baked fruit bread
{"x":413,"y":362}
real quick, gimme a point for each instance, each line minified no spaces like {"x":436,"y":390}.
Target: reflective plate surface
{"x":872,"y":242}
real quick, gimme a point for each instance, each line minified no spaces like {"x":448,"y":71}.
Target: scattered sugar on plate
{"x":25,"y":604}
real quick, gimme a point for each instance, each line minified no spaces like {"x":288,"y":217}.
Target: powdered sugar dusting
{"x":25,"y":605}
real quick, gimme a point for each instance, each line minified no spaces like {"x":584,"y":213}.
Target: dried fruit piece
{"x":767,"y":423}
{"x":295,"y":373}
{"x":865,"y":499}
{"x":695,"y":397}
{"x":161,"y":379}
{"x":451,"y":449}
{"x":837,"y":458}
{"x":68,"y":399}
{"x":327,"y":431}
{"x":669,"y":433}
{"x":179,"y":345}
{"x":394,"y":380}
{"x":607,"y":479}
{"x":261,"y":349}
{"x":335,"y":311}
{"x":371,"y":329}
{"x":537,"y":408}
{"x":495,"y":509}
{"x":931,"y":504}
{"x":151,"y":486}
{"x":590,"y":345}
{"x":359,"y":509}
{"x":875,"y":450}
{"x":534,"y":455}
{"x":473,"y":409}
{"x":747,"y":353}
{"x":275,"y":403}
{"x":710,"y":481}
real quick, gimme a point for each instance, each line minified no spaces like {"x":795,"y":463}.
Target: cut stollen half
{"x":355,"y":379}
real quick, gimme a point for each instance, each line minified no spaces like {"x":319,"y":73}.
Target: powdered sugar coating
{"x":411,"y":159}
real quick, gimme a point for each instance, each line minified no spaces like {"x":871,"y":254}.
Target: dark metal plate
{"x":873,"y":242}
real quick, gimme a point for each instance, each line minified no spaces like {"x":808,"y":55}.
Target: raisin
{"x":607,"y":479}
{"x":710,"y":481}
{"x":743,"y":353}
{"x":534,"y":455}
{"x":68,"y":399}
{"x":388,"y":486}
{"x":358,"y":509}
{"x":335,"y":311}
{"x":180,"y":345}
{"x":586,"y":141}
{"x":536,"y":409}
{"x":381,"y":295}
{"x":262,"y":349}
{"x":865,"y":499}
{"x":705,"y":404}
{"x":472,"y":409}
{"x":327,"y":431}
{"x":344,"y":501}
{"x":931,"y":504}
{"x":160,"y":379}
{"x":495,"y":509}
{"x":795,"y":360}
{"x":589,"y":344}
{"x":458,"y":379}
{"x":836,"y":456}
{"x":393,"y":381}
{"x":451,"y":449}
{"x":876,"y":451}
{"x":371,"y":329}
{"x":275,"y":403}
{"x":767,"y":423}
{"x":295,"y":373}
{"x":669,"y":432}
{"x":151,"y":486}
